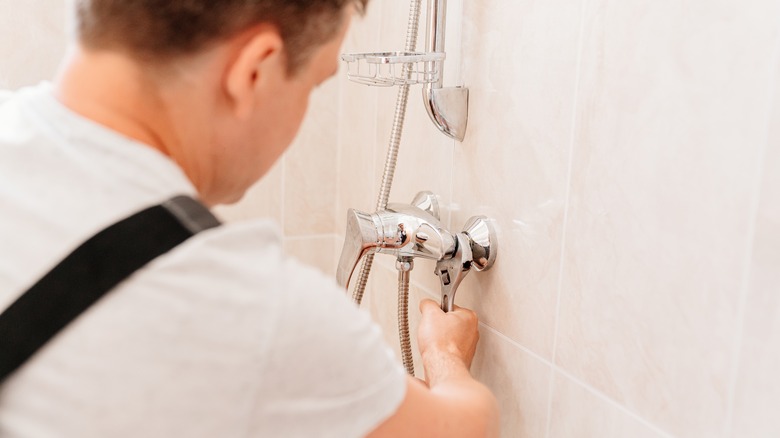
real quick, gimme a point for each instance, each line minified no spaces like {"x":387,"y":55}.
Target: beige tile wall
{"x":757,"y":385}
{"x":623,"y":150}
{"x":33,"y":38}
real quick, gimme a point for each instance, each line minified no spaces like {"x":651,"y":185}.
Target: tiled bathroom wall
{"x":32,"y":41}
{"x":629,"y":152}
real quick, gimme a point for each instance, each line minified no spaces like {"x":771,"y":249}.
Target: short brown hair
{"x":162,"y":30}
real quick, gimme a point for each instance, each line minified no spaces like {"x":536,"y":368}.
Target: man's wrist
{"x":442,"y":365}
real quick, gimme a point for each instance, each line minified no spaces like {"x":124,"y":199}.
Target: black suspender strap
{"x":91,"y":271}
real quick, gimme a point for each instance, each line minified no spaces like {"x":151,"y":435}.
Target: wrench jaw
{"x":476,"y":248}
{"x":452,"y":271}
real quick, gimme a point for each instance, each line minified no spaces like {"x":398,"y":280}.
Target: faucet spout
{"x":401,"y":230}
{"x":362,"y":237}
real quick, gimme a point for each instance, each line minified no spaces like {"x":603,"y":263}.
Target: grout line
{"x":592,"y":390}
{"x":518,"y":345}
{"x":567,"y":202}
{"x":755,"y":204}
{"x":619,"y":406}
{"x":375,"y":145}
{"x":452,"y":142}
{"x":453,"y":151}
{"x":339,"y":177}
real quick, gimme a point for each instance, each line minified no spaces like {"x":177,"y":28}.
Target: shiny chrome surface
{"x":481,"y":235}
{"x":449,"y":109}
{"x":404,"y":266}
{"x":452,"y":271}
{"x":409,"y":231}
{"x":386,"y":69}
{"x":428,"y":202}
{"x":447,"y":106}
{"x":476,"y":249}
{"x":362,"y":237}
{"x":435,"y":31}
{"x":401,"y":230}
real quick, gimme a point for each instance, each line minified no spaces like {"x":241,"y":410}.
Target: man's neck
{"x":117,"y":92}
{"x":109,"y":89}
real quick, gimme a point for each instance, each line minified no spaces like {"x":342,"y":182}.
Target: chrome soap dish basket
{"x":387,"y":69}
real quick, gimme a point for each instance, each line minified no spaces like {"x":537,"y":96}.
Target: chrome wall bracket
{"x":448,"y":107}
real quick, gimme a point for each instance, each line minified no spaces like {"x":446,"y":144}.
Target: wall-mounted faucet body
{"x":409,"y":231}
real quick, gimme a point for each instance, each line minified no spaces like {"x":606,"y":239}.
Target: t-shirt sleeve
{"x":329,"y":371}
{"x":5,"y":95}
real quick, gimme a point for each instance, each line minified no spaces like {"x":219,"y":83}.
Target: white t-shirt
{"x":222,"y":337}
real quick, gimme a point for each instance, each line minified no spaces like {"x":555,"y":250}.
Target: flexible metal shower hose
{"x":402,"y":100}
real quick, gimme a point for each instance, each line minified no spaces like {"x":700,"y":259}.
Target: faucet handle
{"x":427,"y":202}
{"x":476,"y":248}
{"x":482,"y":238}
{"x":361,"y":237}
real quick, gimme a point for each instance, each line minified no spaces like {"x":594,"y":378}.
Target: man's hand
{"x":444,"y":337}
{"x":453,"y":404}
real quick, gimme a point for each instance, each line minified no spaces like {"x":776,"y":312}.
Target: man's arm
{"x":452,"y":404}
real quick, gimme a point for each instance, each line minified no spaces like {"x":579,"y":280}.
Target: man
{"x":222,"y":336}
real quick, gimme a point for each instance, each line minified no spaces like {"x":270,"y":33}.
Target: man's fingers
{"x":428,"y":306}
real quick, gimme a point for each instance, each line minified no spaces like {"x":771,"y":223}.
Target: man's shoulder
{"x":24,"y":93}
{"x":5,"y":95}
{"x":243,"y":249}
{"x":239,"y":261}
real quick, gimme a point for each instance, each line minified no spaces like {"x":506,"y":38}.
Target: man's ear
{"x":259,"y":58}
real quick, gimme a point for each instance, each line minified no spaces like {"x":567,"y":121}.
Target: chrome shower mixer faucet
{"x":409,"y":231}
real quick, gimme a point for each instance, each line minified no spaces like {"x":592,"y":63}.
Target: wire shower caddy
{"x":387,"y":69}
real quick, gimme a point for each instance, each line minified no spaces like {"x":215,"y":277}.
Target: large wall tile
{"x":520,"y":382}
{"x":311,"y":166}
{"x":758,"y":387}
{"x":670,"y":125}
{"x":33,"y":40}
{"x":519,"y":62}
{"x":356,"y":178}
{"x":425,"y":155}
{"x":577,"y":412}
